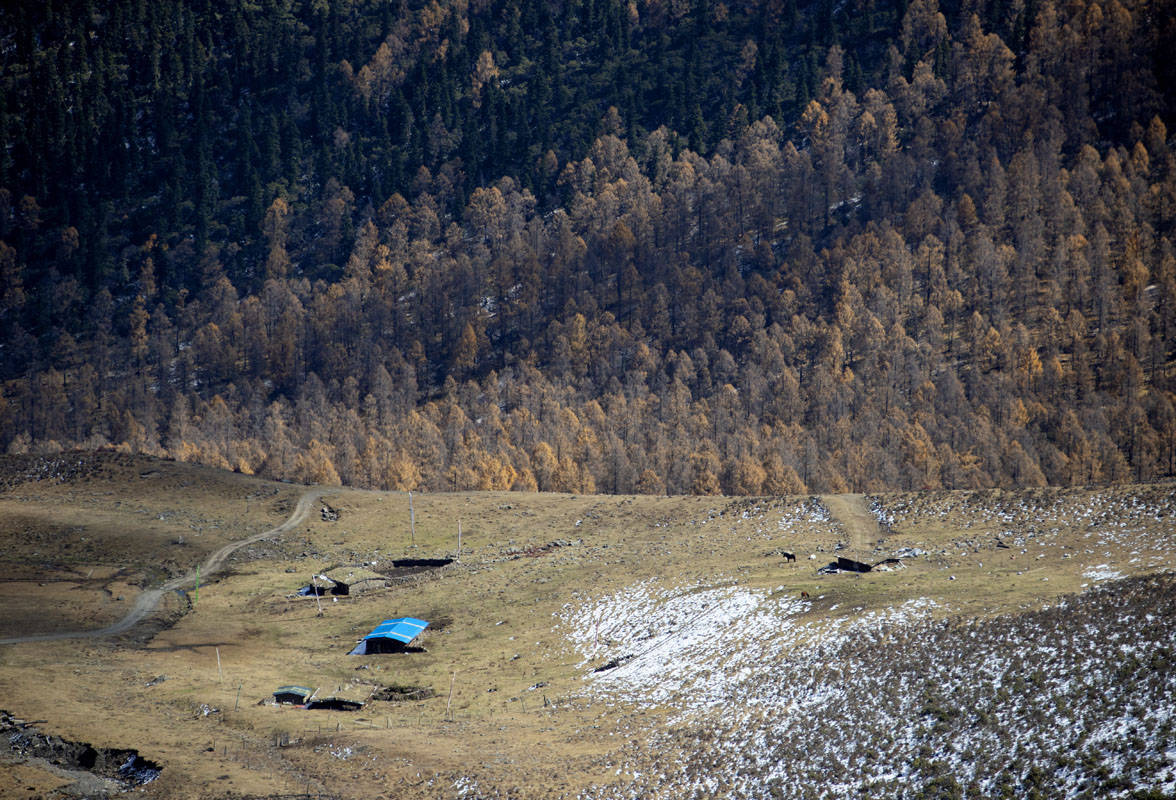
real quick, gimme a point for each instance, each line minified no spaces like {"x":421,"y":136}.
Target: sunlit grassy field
{"x":733,"y":670}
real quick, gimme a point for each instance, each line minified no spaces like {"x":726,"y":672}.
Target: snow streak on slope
{"x":693,"y":648}
{"x":1072,"y":701}
{"x":671,"y":645}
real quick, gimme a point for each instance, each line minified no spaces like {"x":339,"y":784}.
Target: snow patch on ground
{"x":693,"y":648}
{"x":1103,"y":572}
{"x":767,"y":697}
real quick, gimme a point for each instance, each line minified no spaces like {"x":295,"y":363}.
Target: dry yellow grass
{"x":515,"y":718}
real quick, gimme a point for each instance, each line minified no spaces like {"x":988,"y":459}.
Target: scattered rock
{"x":614,"y":663}
{"x":125,"y":768}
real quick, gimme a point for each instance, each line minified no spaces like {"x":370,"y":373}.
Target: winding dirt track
{"x":146,"y":602}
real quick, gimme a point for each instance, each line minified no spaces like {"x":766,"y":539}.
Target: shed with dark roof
{"x":345,"y":581}
{"x":293,"y":695}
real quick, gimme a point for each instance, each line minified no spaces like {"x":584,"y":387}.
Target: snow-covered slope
{"x":772,"y":701}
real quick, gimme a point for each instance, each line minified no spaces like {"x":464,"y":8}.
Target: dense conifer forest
{"x":763,"y":246}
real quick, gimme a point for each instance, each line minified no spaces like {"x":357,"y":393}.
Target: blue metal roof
{"x":404,"y":629}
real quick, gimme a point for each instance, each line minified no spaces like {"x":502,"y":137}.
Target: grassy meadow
{"x":722,"y":649}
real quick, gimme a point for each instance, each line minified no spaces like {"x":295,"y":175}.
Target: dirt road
{"x":852,"y":511}
{"x":146,"y":602}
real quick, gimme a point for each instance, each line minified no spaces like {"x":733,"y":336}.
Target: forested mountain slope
{"x":593,"y":246}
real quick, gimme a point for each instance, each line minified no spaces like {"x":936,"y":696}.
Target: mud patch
{"x":400,"y":694}
{"x":421,"y":563}
{"x":409,"y":567}
{"x":121,"y":769}
{"x":334,"y":704}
